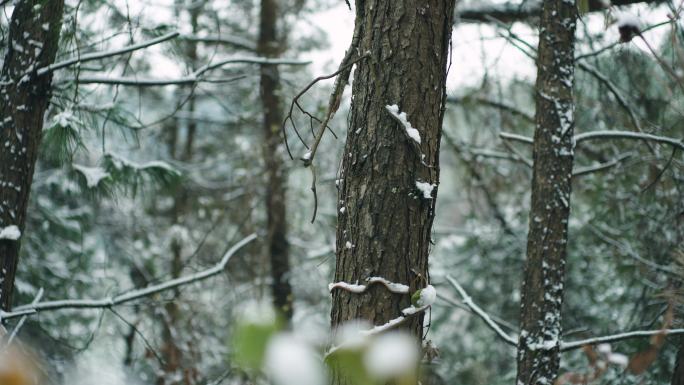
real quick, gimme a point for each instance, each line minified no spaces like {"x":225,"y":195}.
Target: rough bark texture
{"x":678,"y":375}
{"x":542,"y":289}
{"x":385,"y":225}
{"x":33,"y":42}
{"x":511,"y":12}
{"x":277,"y":245}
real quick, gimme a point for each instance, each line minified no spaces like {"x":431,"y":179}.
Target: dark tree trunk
{"x":276,"y":174}
{"x":678,"y":375}
{"x":542,"y":288}
{"x":385,"y":227}
{"x":32,"y":43}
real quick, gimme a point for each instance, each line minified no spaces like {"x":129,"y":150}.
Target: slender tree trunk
{"x":542,"y":288}
{"x":384,"y":221}
{"x":278,"y":247}
{"x":33,"y":42}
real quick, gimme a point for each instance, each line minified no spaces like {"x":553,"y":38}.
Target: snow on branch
{"x":101,"y":55}
{"x":195,"y":77}
{"x":389,"y":325}
{"x":629,"y":135}
{"x":397,"y":288}
{"x":511,"y":340}
{"x":235,"y":41}
{"x":131,"y":295}
{"x":515,"y":11}
{"x":149,"y":82}
{"x":565,"y":346}
{"x":605,"y":134}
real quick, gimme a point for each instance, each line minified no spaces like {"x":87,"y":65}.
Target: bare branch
{"x":131,"y":295}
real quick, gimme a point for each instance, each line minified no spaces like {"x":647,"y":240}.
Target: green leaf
{"x":249,"y":342}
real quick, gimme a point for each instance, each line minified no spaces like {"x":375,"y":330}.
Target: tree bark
{"x":384,"y":221}
{"x":33,"y":42}
{"x":678,"y":375}
{"x":276,"y":174}
{"x":542,"y":288}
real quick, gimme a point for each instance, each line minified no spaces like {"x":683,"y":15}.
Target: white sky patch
{"x":290,"y":361}
{"x":403,"y":119}
{"x":392,"y":355}
{"x":93,"y":175}
{"x":425,"y":188}
{"x":11,"y":233}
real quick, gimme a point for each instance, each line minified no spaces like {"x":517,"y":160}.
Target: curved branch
{"x":131,"y":295}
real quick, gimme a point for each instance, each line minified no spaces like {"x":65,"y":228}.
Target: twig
{"x":581,"y":171}
{"x":131,"y":295}
{"x":513,"y":341}
{"x":37,"y":298}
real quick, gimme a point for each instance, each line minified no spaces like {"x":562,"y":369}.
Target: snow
{"x":618,"y":359}
{"x":393,"y":287}
{"x":426,"y":188}
{"x":306,"y":156}
{"x":93,"y":175}
{"x":392,"y":355}
{"x":64,"y":119}
{"x":11,"y":233}
{"x":428,"y":295}
{"x":401,"y":117}
{"x":628,"y":20}
{"x":290,"y":361}
{"x":354,"y":288}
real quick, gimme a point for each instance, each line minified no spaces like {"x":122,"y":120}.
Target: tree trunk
{"x":33,"y":42}
{"x":276,"y":210}
{"x":678,"y":375}
{"x":385,"y":225}
{"x":542,"y":288}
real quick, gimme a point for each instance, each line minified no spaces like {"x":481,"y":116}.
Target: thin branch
{"x":234,"y":41}
{"x":131,"y":295}
{"x":142,"y":82}
{"x":493,"y":103}
{"x":516,"y":138}
{"x":16,"y":329}
{"x":678,"y":143}
{"x":513,"y":341}
{"x":101,"y":55}
{"x":581,"y":171}
{"x":565,"y":346}
{"x":605,"y":134}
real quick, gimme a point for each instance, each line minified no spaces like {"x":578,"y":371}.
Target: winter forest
{"x":368,"y":192}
